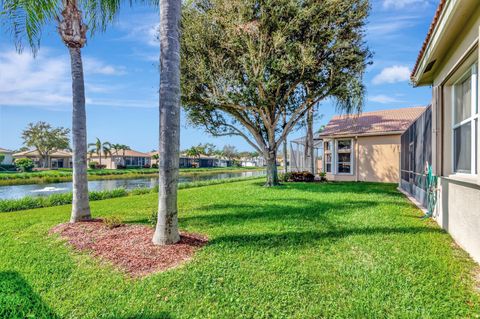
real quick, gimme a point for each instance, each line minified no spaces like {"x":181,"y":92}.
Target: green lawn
{"x":297,"y":251}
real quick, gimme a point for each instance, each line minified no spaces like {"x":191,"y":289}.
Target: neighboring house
{"x":57,"y":159}
{"x":122,"y":159}
{"x":202,"y":161}
{"x":366,"y":147}
{"x":449,"y":62}
{"x":8,"y":160}
{"x":252,"y":162}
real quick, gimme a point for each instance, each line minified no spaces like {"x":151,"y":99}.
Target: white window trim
{"x":331,"y":152}
{"x":474,"y":115}
{"x":352,"y":157}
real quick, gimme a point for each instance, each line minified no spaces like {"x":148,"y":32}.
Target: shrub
{"x":155,"y":165}
{"x":323,"y":177}
{"x":113,"y":222}
{"x":24,"y":164}
{"x":285,"y":176}
{"x":301,"y":177}
{"x":153,"y":218}
{"x":92,"y":165}
{"x":119,"y":166}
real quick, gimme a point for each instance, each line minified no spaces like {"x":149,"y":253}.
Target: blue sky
{"x":122,"y":80}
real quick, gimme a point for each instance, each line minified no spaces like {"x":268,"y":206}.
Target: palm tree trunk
{"x":166,"y":231}
{"x":80,"y":203}
{"x":73,"y":33}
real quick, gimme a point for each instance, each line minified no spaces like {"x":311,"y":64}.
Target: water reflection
{"x":19,"y":191}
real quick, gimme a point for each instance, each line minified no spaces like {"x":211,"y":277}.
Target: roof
{"x":32,"y":153}
{"x":4,"y":150}
{"x":127,"y":153}
{"x":372,"y":123}
{"x":433,"y":25}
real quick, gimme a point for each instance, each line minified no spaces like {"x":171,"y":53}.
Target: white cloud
{"x":95,"y":66}
{"x":392,"y":74}
{"x":392,"y":25}
{"x":383,"y":99}
{"x":399,"y":4}
{"x":45,"y":81}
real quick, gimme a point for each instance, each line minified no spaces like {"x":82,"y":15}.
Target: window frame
{"x":330,"y":152}
{"x":350,"y":151}
{"x":473,"y":119}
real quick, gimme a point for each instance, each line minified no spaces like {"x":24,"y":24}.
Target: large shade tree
{"x":25,"y":19}
{"x":166,"y":230}
{"x":255,"y":68}
{"x":45,"y":139}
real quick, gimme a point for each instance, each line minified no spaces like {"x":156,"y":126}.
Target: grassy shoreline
{"x":58,"y":176}
{"x":28,"y":202}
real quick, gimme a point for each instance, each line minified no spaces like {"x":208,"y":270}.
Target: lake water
{"x":34,"y":190}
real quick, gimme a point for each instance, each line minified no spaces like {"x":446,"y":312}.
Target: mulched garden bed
{"x":129,"y":247}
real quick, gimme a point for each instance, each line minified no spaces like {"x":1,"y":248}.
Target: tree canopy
{"x":45,"y":138}
{"x":254,"y":68}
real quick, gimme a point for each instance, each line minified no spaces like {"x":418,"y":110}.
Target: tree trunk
{"x":272,"y":176}
{"x":310,"y":148}
{"x":73,"y":33}
{"x":166,"y":231}
{"x":80,"y":203}
{"x":285,"y":157}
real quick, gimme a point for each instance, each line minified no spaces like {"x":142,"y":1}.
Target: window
{"x":328,"y":156}
{"x":465,"y":123}
{"x":344,"y":156}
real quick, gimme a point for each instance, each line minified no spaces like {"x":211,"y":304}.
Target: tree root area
{"x":129,"y":247}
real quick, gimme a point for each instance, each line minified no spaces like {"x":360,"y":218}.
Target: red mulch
{"x":129,"y":247}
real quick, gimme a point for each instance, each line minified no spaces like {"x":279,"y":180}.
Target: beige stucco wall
{"x":458,"y":206}
{"x":379,"y":158}
{"x":376,"y":158}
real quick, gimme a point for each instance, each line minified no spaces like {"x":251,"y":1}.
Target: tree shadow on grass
{"x":308,"y":210}
{"x":346,"y":187}
{"x":18,"y":300}
{"x":311,"y":238}
{"x":160,"y":315}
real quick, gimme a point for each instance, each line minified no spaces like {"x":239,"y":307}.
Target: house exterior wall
{"x":375,"y":159}
{"x":8,"y":160}
{"x":458,"y":205}
{"x":379,"y":158}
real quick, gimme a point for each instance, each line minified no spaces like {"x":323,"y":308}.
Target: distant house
{"x":365,"y":147}
{"x":57,"y":159}
{"x":448,"y":62}
{"x":8,"y":160}
{"x":202,"y":161}
{"x":122,"y":159}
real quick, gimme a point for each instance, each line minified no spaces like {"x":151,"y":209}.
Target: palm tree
{"x":26,"y":19}
{"x":166,"y":231}
{"x":100,"y":148}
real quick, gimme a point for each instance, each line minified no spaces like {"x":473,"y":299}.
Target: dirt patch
{"x":129,"y":247}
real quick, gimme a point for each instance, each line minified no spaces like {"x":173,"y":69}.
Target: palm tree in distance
{"x":25,"y":19}
{"x":100,"y":148}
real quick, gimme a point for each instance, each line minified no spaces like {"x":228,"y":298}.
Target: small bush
{"x":323,"y":177}
{"x":113,"y":222}
{"x":301,"y":177}
{"x":285,"y":176}
{"x":24,"y":164}
{"x":154,"y":165}
{"x":153,"y":218}
{"x":92,"y":165}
